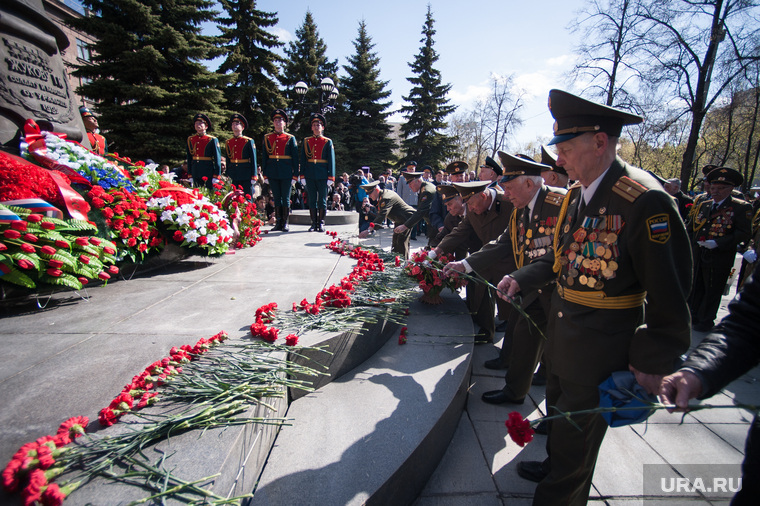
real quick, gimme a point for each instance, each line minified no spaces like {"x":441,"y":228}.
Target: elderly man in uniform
{"x":280,"y":167}
{"x":554,"y":176}
{"x":318,"y":170}
{"x":425,"y":192}
{"x":204,"y":159}
{"x":529,"y":237}
{"x":241,"y":155}
{"x":390,"y":207}
{"x":97,"y":141}
{"x":718,"y":227}
{"x":487,"y":216}
{"x":673,"y":187}
{"x":454,"y":213}
{"x":621,"y":245}
{"x":490,"y":171}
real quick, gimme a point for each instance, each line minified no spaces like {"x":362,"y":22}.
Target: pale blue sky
{"x":474,"y":38}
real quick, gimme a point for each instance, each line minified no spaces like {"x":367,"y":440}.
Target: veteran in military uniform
{"x":555,"y":176}
{"x":718,"y":227}
{"x":390,"y":207}
{"x":280,"y":167}
{"x":318,"y":170}
{"x":487,"y":216}
{"x":620,"y":244}
{"x":490,"y":171}
{"x":204,"y":159}
{"x":425,"y":191}
{"x":528,"y":238}
{"x":97,"y":141}
{"x":454,"y":213}
{"x":241,"y":155}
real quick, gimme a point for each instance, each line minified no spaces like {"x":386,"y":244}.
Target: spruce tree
{"x":361,"y":123}
{"x":147,"y":74}
{"x":424,"y":140}
{"x":306,"y":60}
{"x":254,"y":92}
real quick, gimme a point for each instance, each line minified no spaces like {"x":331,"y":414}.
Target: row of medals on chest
{"x":592,"y":255}
{"x":537,"y":247}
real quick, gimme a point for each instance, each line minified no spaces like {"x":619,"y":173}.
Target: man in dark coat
{"x":730,"y":350}
{"x":621,"y":245}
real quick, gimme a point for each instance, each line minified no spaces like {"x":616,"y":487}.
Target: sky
{"x":474,"y":39}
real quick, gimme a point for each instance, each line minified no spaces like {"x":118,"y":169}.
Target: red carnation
{"x":178,"y":236}
{"x":74,"y":426}
{"x":53,"y":495}
{"x":291,"y":340}
{"x":107,"y":417}
{"x":519,"y":429}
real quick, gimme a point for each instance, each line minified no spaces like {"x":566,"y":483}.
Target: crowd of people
{"x":613,"y":265}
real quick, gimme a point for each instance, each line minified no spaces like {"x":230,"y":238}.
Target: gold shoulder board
{"x":629,"y":189}
{"x":554,"y":199}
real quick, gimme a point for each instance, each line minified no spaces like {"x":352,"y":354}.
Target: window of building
{"x":83,"y":50}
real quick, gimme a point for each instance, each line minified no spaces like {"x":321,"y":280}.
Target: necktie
{"x":526,"y":216}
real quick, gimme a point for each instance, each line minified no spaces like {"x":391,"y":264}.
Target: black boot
{"x":285,"y":218}
{"x":313,"y":214}
{"x":278,"y":216}
{"x":321,"y":220}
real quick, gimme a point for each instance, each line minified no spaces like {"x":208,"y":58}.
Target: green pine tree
{"x":361,"y":123}
{"x":424,"y":140}
{"x":306,"y":60}
{"x":147,"y":74}
{"x":254,"y":93}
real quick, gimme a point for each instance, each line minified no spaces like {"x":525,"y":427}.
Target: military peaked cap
{"x":725,"y":175}
{"x":467,"y":190}
{"x":575,"y":116}
{"x":281,"y":113}
{"x":240,"y":118}
{"x":457,"y":167}
{"x":315,"y":116}
{"x":447,"y":191}
{"x":550,"y":159}
{"x":204,"y":118}
{"x":493,"y":165}
{"x":521,"y":165}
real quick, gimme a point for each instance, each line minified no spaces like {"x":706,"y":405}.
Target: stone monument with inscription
{"x":33,"y":81}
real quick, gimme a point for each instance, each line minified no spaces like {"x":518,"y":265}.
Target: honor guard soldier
{"x":97,"y":141}
{"x":620,"y":246}
{"x":204,"y":159}
{"x":718,"y":227}
{"x":318,"y":169}
{"x":280,"y":167}
{"x":487,"y":217}
{"x":241,"y":155}
{"x":528,"y":238}
{"x":390,"y":207}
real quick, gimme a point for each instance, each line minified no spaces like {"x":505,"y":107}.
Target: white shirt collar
{"x":587,"y":192}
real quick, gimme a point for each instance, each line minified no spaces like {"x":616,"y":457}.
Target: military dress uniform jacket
{"x":729,"y":226}
{"x":525,"y":242}
{"x":318,"y":158}
{"x":204,"y":159}
{"x":98,"y":143}
{"x":392,"y":207}
{"x":279,"y":159}
{"x":486,"y":227}
{"x":425,"y":198}
{"x":450,"y":222}
{"x":627,"y":247}
{"x":241,"y":158}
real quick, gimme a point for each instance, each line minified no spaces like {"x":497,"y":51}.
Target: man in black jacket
{"x":730,"y":350}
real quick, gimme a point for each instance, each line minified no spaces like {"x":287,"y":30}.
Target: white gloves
{"x":750,"y":256}
{"x":302,"y":181}
{"x":330,"y":182}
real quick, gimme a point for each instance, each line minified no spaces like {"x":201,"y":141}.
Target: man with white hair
{"x":673,"y":187}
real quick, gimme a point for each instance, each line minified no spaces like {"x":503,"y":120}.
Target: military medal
{"x":583,"y":279}
{"x":590,"y":282}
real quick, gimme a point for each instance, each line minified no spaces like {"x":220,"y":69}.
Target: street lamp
{"x":328,"y":93}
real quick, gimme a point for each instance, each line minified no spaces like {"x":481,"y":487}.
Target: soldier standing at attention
{"x":97,"y":141}
{"x":318,"y":168}
{"x":718,"y":226}
{"x":280,"y":167}
{"x":204,"y":160}
{"x":241,"y":155}
{"x":620,"y":245}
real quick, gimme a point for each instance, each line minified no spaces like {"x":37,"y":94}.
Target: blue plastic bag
{"x":621,"y":390}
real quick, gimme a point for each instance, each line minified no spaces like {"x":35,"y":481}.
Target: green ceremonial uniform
{"x":392,"y":207}
{"x":627,"y":247}
{"x":487,"y":227}
{"x":528,"y":239}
